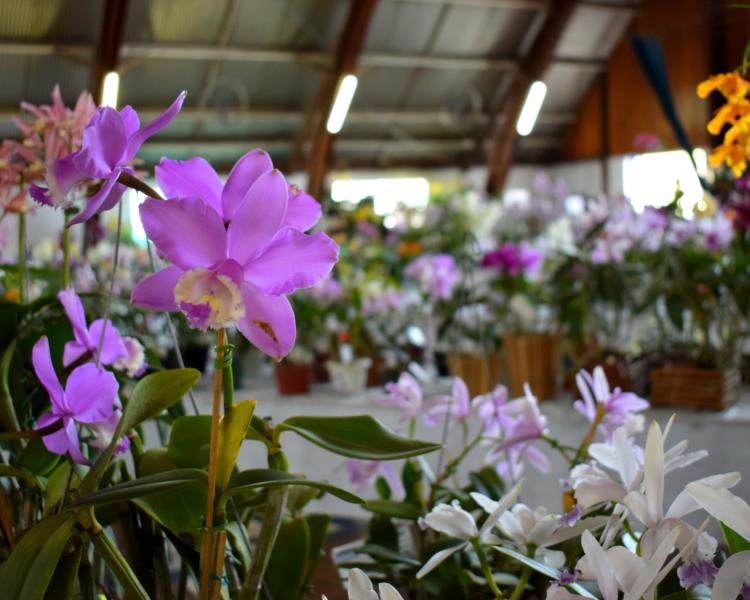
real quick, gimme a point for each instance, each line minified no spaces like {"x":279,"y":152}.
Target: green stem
{"x":119,"y":566}
{"x":228,"y":381}
{"x":22,"y":257}
{"x":477,"y":545}
{"x":452,"y":465}
{"x":111,"y":283}
{"x":270,"y":529}
{"x":525,"y":574}
{"x":66,"y":251}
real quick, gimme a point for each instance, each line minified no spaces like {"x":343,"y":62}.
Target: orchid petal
{"x":113,"y":348}
{"x":110,"y":192}
{"x":76,"y":315}
{"x":136,"y":140}
{"x":91,"y":393}
{"x":40,"y":358}
{"x":302,"y":211}
{"x":156,"y":291}
{"x":684,"y":504}
{"x":186,"y":231}
{"x":653,"y":472}
{"x":241,"y":178}
{"x":723,"y":505}
{"x":54,"y":442}
{"x":258,"y":217}
{"x":388,"y":592}
{"x":359,"y":586}
{"x":600,"y":565}
{"x":438,"y":558}
{"x":731,"y":576}
{"x":72,"y":443}
{"x":647,"y":577}
{"x":130,"y":120}
{"x":292,"y":260}
{"x":192,"y":178}
{"x":497,"y":511}
{"x":104,"y":144}
{"x":268,"y":322}
{"x":74,"y":351}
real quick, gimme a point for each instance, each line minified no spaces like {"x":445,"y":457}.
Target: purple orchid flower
{"x":405,"y":394}
{"x":89,"y":397}
{"x":364,"y":473}
{"x":236,"y":250}
{"x":514,"y":259}
{"x":436,"y":274}
{"x":87,"y":338}
{"x":456,"y":406}
{"x":619,"y":408}
{"x":110,"y":142}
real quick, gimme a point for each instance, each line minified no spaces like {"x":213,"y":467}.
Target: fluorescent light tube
{"x":344,"y":95}
{"x":110,"y":89}
{"x":531,"y":107}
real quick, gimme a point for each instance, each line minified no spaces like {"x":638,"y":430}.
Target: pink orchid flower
{"x":110,"y":142}
{"x":89,"y":397}
{"x":236,"y":250}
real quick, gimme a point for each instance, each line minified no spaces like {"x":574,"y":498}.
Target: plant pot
{"x":694,"y":387}
{"x":532,"y":359}
{"x":480,"y":372}
{"x":320,"y":372}
{"x":375,"y":372}
{"x":293,"y":378}
{"x":349,"y":378}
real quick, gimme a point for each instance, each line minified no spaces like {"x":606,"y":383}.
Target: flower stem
{"x":22,"y":257}
{"x":452,"y":465}
{"x":66,"y":251}
{"x":108,"y":301}
{"x":209,"y":542}
{"x":477,"y":545}
{"x":582,"y":452}
{"x":525,"y":574}
{"x":106,"y":548}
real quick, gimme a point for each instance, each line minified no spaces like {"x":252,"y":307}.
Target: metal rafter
{"x":107,"y":55}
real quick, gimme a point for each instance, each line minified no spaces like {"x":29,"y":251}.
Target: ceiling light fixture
{"x":110,"y":88}
{"x":531,"y":107}
{"x":344,"y":95}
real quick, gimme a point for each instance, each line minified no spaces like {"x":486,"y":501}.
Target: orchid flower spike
{"x":89,"y":398}
{"x":236,"y":249}
{"x":454,"y":521}
{"x":110,"y":142}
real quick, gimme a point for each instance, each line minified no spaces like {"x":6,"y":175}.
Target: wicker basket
{"x":532,"y":359}
{"x":480,"y":372}
{"x":692,"y":387}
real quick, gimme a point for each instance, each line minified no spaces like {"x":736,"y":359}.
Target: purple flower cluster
{"x":436,"y":275}
{"x":514,"y":259}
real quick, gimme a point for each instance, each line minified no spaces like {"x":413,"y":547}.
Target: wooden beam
{"x":107,"y":54}
{"x":346,"y":59}
{"x":532,"y":67}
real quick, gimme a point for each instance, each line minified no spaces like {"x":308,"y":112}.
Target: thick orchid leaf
{"x":30,"y":567}
{"x":735,"y":542}
{"x":151,"y":395}
{"x":394,"y":509}
{"x":155,"y":393}
{"x":143,"y":486}
{"x":286,"y":571}
{"x":539,"y":567}
{"x":63,"y":582}
{"x":57,"y":484}
{"x":385,"y":554}
{"x":254,"y":479}
{"x":317,"y":524}
{"x":36,"y":459}
{"x":8,"y":418}
{"x":189,"y":441}
{"x":356,"y":437}
{"x":233,"y":428}
{"x":179,"y":510}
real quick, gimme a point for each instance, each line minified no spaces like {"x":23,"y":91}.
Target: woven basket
{"x":532,"y":359}
{"x":692,"y":387}
{"x":480,"y":372}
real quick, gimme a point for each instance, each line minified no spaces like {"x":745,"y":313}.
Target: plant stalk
{"x":477,"y":545}
{"x":66,"y":251}
{"x":209,"y":542}
{"x":119,"y":566}
{"x":22,"y":257}
{"x":108,"y":301}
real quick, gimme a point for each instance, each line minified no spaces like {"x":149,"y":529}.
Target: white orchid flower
{"x":360,"y":587}
{"x":537,"y":527}
{"x":453,"y":520}
{"x":723,"y":505}
{"x":619,"y":569}
{"x":733,"y":578}
{"x":556,"y":592}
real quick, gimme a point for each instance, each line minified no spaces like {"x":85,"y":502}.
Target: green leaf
{"x":63,"y":582}
{"x":30,"y":567}
{"x":393,"y":508}
{"x":189,"y":441}
{"x":735,"y":542}
{"x":155,"y":393}
{"x":232,"y":430}
{"x":286,"y":571}
{"x":143,"y":486}
{"x":550,"y":572}
{"x":356,"y":437}
{"x":317,"y":524}
{"x":36,"y":459}
{"x":6,"y":471}
{"x":253,"y":479}
{"x":383,"y":553}
{"x":151,"y":395}
{"x":8,"y":418}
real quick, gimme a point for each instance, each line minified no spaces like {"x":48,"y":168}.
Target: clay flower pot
{"x":293,"y":378}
